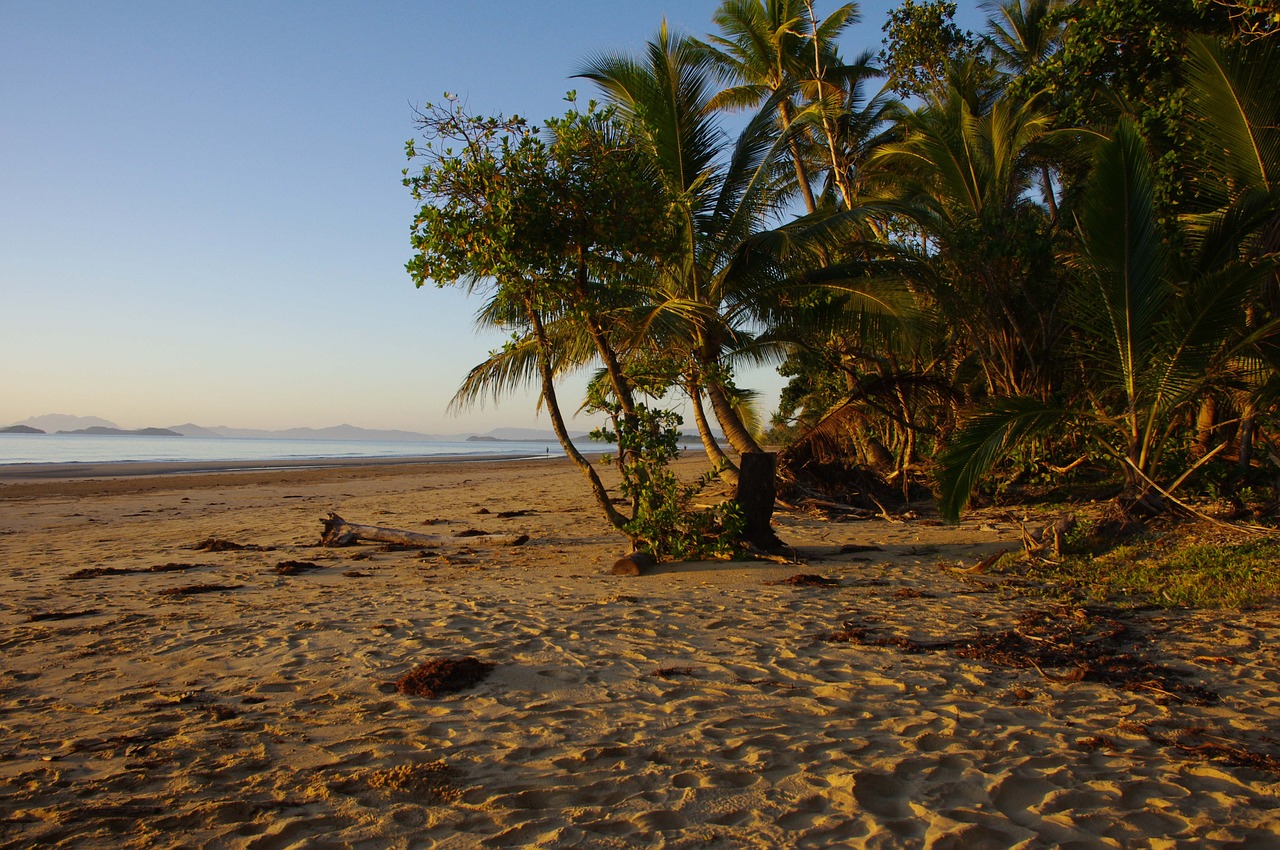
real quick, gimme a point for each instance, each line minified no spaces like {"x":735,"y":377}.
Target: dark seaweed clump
{"x":441,"y":676}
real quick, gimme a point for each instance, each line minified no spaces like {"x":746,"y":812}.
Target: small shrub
{"x":665,"y":521}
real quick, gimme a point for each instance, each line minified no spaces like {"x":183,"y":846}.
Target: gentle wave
{"x":95,"y":448}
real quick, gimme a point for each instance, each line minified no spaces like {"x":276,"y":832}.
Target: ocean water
{"x":90,"y":448}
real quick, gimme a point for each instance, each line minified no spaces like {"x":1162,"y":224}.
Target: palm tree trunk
{"x":1248,"y":418}
{"x":1046,"y":180}
{"x":1206,"y":421}
{"x":621,"y":387}
{"x":837,"y":173}
{"x":616,"y":519}
{"x":720,"y":461}
{"x":734,"y":431}
{"x":802,"y":172}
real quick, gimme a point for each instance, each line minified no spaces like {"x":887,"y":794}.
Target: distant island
{"x":60,"y":423}
{"x":103,"y":431}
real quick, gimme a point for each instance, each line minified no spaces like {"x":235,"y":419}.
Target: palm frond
{"x":984,"y":439}
{"x":502,"y":372}
{"x":1233,"y":94}
{"x":1124,"y":257}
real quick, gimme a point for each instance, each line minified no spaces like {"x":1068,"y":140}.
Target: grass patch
{"x":1165,"y":574}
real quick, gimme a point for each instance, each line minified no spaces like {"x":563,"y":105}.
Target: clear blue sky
{"x":201,"y":216}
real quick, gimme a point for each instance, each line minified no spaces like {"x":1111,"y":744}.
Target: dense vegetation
{"x":1044,"y":250}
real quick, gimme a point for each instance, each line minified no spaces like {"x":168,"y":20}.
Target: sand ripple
{"x":700,"y":707}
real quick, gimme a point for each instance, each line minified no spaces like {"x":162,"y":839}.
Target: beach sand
{"x":700,"y":706}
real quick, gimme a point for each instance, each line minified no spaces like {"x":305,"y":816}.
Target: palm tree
{"x":961,"y":173}
{"x":1021,"y":34}
{"x":767,"y":51}
{"x":1153,"y":331}
{"x":1235,"y":111}
{"x":710,"y":290}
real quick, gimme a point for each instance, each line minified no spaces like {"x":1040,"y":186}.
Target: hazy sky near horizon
{"x":201,"y":214}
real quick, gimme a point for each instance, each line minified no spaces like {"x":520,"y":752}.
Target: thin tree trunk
{"x":1248,"y":417}
{"x":722,"y":463}
{"x":1046,"y":180}
{"x":837,"y":173}
{"x":616,"y":519}
{"x":802,"y":173}
{"x":621,"y":387}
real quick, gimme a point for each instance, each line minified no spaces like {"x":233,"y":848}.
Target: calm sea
{"x":88,"y":448}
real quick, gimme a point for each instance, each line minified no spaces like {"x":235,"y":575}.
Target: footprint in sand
{"x":872,"y":791}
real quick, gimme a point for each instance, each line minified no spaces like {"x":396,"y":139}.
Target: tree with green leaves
{"x":921,"y":39}
{"x":1023,"y":34}
{"x":1234,"y":111}
{"x":963,"y":169}
{"x":764,"y":51}
{"x":709,"y":290}
{"x":553,"y":227}
{"x":1124,"y":58}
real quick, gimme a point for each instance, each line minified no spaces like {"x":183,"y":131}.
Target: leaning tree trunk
{"x":616,"y":519}
{"x":756,"y":488}
{"x":797,"y":158}
{"x":734,"y":431}
{"x":720,"y":461}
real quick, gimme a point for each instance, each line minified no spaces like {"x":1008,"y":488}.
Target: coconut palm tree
{"x":1153,"y":330}
{"x":961,"y":173}
{"x":766,"y":50}
{"x":710,"y":290}
{"x":1023,"y":33}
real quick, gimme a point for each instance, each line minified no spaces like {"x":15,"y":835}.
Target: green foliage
{"x":921,"y":39}
{"x":997,"y":258}
{"x":1183,"y":576}
{"x":986,"y":437}
{"x":1147,"y":339}
{"x":664,"y":520}
{"x":535,"y":211}
{"x":1247,"y":21}
{"x":1021,"y":34}
{"x":1124,"y":57}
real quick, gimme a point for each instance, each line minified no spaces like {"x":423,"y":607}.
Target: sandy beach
{"x":157,"y":695}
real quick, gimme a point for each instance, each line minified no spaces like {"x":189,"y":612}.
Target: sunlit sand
{"x":246,"y":697}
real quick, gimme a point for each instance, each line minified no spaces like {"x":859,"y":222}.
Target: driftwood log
{"x":635,"y":564}
{"x":339,"y":532}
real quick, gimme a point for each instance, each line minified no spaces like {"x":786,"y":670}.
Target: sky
{"x":201,"y":213}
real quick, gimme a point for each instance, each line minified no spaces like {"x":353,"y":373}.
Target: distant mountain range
{"x":63,"y":423}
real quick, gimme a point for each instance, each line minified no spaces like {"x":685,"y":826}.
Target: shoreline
{"x":146,"y":477}
{"x":79,"y":470}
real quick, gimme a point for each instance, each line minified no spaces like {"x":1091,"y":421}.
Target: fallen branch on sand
{"x":339,"y":532}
